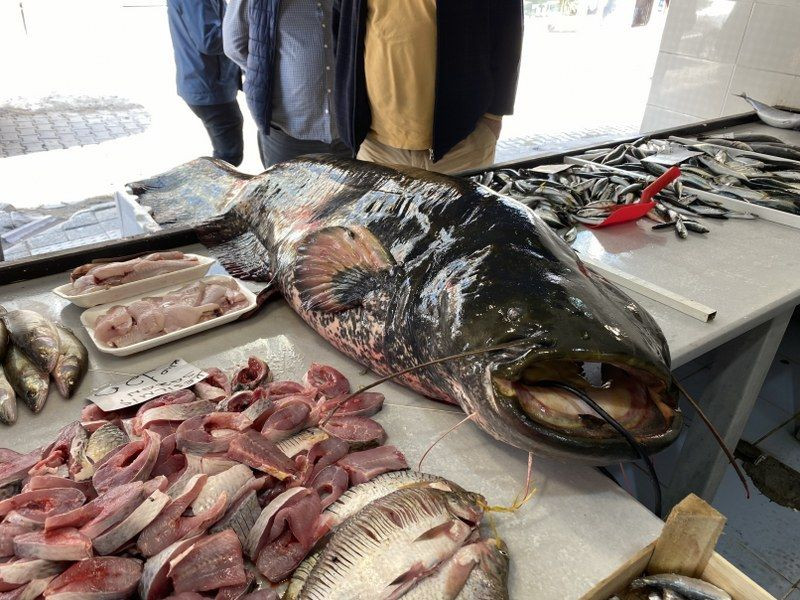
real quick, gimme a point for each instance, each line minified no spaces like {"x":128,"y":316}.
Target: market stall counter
{"x":577,"y":529}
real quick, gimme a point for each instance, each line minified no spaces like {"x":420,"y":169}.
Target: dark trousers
{"x":223,"y":123}
{"x":279,"y":147}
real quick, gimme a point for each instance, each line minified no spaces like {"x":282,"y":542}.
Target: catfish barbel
{"x":396,"y":267}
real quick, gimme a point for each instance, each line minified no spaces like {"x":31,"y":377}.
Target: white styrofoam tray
{"x":134,"y":288}
{"x":89,"y":318}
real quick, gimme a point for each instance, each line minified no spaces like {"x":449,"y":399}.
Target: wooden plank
{"x":699,"y":311}
{"x":619,"y":579}
{"x":688,"y":540}
{"x":724,"y":575}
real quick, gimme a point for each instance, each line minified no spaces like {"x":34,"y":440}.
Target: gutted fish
{"x":384,"y":549}
{"x":72,"y":363}
{"x":35,"y":336}
{"x":477,"y":571}
{"x":396,"y":268}
{"x":29,"y":382}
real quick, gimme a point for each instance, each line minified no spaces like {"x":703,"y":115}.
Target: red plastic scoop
{"x":631,"y":212}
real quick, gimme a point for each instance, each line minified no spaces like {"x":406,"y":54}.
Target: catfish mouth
{"x":639,"y":397}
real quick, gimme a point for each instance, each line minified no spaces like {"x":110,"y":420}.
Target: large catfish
{"x":395,"y":267}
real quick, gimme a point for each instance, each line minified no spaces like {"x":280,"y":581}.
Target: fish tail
{"x":189,"y":194}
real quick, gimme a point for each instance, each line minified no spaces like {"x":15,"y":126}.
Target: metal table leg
{"x":737,"y":374}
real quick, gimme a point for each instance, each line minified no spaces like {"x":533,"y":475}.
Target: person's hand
{"x":494,"y":124}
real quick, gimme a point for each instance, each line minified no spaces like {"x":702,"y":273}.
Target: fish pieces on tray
{"x":150,"y":317}
{"x":33,"y":350}
{"x":212,"y":491}
{"x":100,"y":276}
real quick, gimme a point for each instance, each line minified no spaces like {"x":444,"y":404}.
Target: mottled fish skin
{"x":28,"y":381}
{"x":35,"y":335}
{"x":688,"y":587}
{"x":8,"y":399}
{"x":396,"y":267}
{"x":73,"y":361}
{"x":106,"y":438}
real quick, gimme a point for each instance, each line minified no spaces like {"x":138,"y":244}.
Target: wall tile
{"x":710,"y":29}
{"x":770,"y":41}
{"x":767,"y":86}
{"x":656,"y":118}
{"x":691,"y":86}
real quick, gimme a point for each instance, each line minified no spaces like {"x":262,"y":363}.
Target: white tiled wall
{"x":712,"y":49}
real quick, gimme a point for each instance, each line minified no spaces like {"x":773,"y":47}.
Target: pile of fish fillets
{"x":210,"y":491}
{"x":92,"y":277}
{"x":32,"y":350}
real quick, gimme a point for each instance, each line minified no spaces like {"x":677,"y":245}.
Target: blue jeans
{"x":279,"y":147}
{"x":223,"y":122}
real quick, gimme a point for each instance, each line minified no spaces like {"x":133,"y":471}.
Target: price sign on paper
{"x":172,"y":377}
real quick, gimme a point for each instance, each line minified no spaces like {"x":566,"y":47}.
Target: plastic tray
{"x":134,"y":288}
{"x":89,"y":318}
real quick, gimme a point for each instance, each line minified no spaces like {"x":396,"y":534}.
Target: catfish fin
{"x":239,"y":250}
{"x":337,"y":266}
{"x":190,"y":193}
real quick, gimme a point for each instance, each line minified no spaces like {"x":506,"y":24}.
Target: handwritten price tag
{"x":175,"y":376}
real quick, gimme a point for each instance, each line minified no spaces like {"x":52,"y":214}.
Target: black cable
{"x":620,"y":429}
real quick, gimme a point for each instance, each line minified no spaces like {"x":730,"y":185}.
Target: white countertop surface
{"x":747,"y":270}
{"x":578,"y":528}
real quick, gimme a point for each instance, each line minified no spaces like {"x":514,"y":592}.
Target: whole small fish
{"x":771,"y":115}
{"x":73,"y":360}
{"x":8,"y":400}
{"x":478,"y":571}
{"x":36,"y":336}
{"x":688,"y":587}
{"x":28,"y":381}
{"x":386,"y":547}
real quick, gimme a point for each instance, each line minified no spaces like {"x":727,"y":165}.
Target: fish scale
{"x":370,"y":553}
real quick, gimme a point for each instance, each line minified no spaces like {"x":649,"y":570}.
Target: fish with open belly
{"x":399,"y":267}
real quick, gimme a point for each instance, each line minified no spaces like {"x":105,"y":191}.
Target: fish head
{"x":493,"y":558}
{"x":573,"y":327}
{"x":467,"y":506}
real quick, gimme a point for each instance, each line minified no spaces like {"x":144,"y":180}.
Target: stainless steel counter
{"x":577,"y":529}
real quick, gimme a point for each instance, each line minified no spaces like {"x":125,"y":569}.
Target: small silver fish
{"x":36,"y":336}
{"x":73,"y":361}
{"x":8,"y":400}
{"x":771,"y":115}
{"x":688,"y":587}
{"x":29,"y":382}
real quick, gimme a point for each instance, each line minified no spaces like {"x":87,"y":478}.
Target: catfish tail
{"x":189,"y":194}
{"x":200,"y":194}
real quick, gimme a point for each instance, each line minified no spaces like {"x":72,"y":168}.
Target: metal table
{"x":577,"y":529}
{"x":750,"y":272}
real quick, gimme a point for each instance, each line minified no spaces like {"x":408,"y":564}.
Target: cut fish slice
{"x":132,"y":462}
{"x":128,"y":528}
{"x":37,"y":505}
{"x":22,"y":571}
{"x":256,"y":451}
{"x":103,"y":512}
{"x":367,"y":464}
{"x":228,"y":482}
{"x":359,"y":432}
{"x":60,"y":544}
{"x":154,"y":582}
{"x":100,"y":578}
{"x":210,"y":563}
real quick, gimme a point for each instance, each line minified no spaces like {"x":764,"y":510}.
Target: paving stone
{"x":48,"y":135}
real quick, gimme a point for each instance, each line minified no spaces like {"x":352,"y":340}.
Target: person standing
{"x":425,"y":83}
{"x":207,"y":80}
{"x":285,"y":49}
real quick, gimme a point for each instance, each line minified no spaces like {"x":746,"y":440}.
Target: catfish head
{"x":518,"y":282}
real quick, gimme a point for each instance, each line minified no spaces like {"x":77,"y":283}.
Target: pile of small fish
{"x":727,"y":167}
{"x":154,"y":316}
{"x":589,"y":194}
{"x":214,"y":490}
{"x":672,"y":587}
{"x":32,"y":350}
{"x":101,"y":276}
